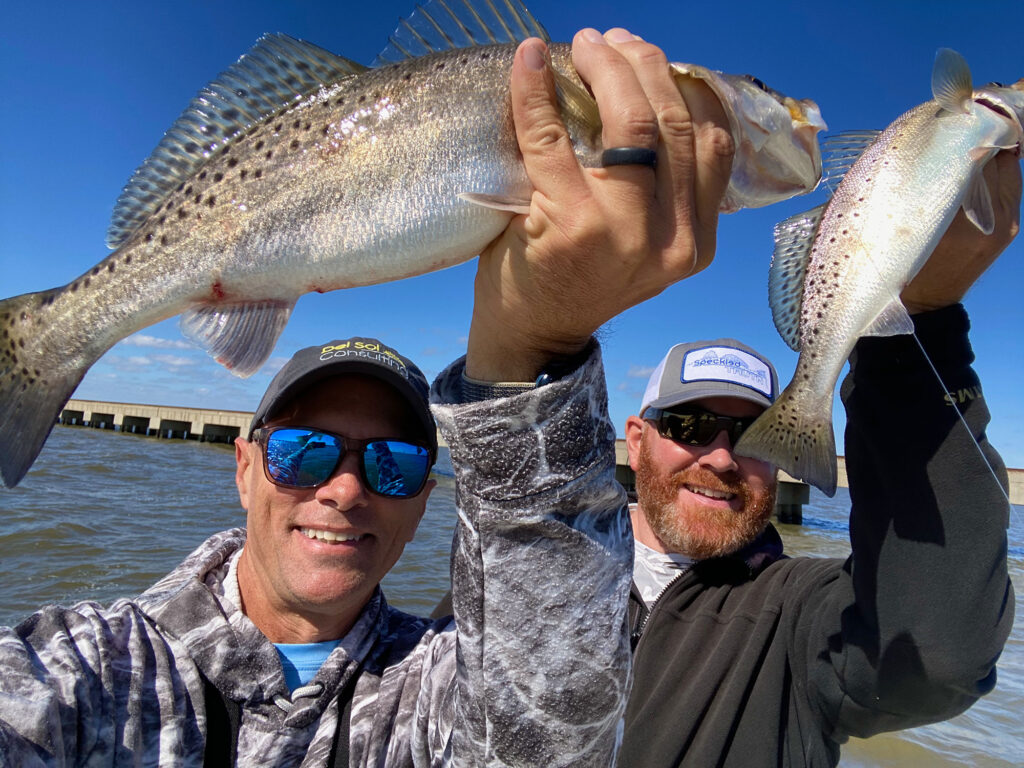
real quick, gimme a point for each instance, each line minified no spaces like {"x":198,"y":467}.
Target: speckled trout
{"x":297,"y":170}
{"x":838,"y":269}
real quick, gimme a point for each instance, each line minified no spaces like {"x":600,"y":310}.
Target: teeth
{"x":711,"y":494}
{"x":315,"y":533}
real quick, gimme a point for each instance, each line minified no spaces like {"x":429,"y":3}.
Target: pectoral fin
{"x":978,"y":204}
{"x":951,"y":81}
{"x":497,"y":202}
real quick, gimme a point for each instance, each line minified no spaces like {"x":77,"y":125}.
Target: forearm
{"x":540,"y":573}
{"x":928,"y":526}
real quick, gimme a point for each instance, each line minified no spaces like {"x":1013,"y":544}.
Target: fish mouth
{"x":1010,"y":105}
{"x":995,"y":106}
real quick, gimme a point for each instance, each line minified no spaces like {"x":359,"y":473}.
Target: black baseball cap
{"x":358,"y":354}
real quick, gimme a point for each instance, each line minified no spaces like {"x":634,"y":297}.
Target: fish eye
{"x":758,"y":82}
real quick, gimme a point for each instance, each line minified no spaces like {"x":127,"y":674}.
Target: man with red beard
{"x":745,"y":657}
{"x":698,"y":499}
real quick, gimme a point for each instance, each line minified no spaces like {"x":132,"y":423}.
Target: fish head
{"x":776,"y":138}
{"x":1005,"y":100}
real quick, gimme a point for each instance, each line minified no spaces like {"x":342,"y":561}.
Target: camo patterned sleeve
{"x":540,"y":573}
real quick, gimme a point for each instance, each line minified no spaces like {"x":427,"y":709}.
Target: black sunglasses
{"x":691,"y":425}
{"x":304,"y":457}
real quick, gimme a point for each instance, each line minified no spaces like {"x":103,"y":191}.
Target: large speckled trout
{"x":838,"y":269}
{"x":297,"y":170}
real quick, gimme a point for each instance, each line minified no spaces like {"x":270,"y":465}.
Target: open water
{"x":103,"y":515}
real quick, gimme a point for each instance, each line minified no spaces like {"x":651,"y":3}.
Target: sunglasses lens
{"x":698,"y":427}
{"x":396,"y":468}
{"x":691,"y":428}
{"x":302,"y":458}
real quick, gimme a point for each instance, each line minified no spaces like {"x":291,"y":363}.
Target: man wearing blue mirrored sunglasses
{"x":534,"y":668}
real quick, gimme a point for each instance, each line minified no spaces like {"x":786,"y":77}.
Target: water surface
{"x":103,"y":515}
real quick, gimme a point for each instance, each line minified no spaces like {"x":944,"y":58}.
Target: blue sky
{"x":89,"y":89}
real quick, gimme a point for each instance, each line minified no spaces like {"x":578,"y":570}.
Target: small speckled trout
{"x":838,"y":269}
{"x":297,"y":170}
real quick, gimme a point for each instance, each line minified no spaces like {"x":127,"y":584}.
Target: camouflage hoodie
{"x":532,"y":673}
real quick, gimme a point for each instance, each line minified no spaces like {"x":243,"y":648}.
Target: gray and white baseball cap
{"x":719,"y":368}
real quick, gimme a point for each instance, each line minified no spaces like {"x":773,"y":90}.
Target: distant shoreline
{"x":223,"y":426}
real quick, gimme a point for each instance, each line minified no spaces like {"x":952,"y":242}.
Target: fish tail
{"x":795,"y":434}
{"x":36,"y":380}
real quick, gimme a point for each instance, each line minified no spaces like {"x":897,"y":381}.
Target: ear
{"x":244,"y":454}
{"x":634,"y":434}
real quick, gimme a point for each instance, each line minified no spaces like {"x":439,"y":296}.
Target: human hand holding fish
{"x":964,"y":252}
{"x":598,"y":240}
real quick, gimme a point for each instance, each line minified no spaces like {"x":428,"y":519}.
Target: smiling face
{"x":700,"y":501}
{"x":313,"y":556}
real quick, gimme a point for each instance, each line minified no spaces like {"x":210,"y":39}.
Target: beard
{"x":692,"y":529}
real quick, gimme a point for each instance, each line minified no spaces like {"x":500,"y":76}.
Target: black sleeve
{"x":932,"y":603}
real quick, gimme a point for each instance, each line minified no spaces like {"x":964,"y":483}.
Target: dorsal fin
{"x":442,"y":25}
{"x":278,"y":72}
{"x":840,"y":151}
{"x":951,"y":81}
{"x":793,"y":240}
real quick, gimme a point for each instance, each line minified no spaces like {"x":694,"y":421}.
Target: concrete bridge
{"x":158,"y":420}
{"x":224,"y":426}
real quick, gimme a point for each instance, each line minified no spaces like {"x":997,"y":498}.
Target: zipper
{"x":654,"y":606}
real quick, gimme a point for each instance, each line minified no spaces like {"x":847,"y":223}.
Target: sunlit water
{"x":103,"y":515}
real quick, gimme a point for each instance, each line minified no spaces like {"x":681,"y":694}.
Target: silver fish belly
{"x":838,"y":270}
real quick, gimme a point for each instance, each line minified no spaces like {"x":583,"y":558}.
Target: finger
{"x":696,"y":145}
{"x":543,"y":138}
{"x":676,"y":151}
{"x":1005,"y":168}
{"x":626,"y":115}
{"x":713,"y":153}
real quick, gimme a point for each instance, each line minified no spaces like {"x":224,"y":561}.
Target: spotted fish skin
{"x":296,"y":170}
{"x":838,"y":269}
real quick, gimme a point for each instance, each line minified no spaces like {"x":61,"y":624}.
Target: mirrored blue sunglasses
{"x":304,"y":457}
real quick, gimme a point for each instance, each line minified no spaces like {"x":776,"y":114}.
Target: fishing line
{"x":960,"y":417}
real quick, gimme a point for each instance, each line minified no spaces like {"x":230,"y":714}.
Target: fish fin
{"x":238,"y":336}
{"x":497,"y":202}
{"x":275,"y":74}
{"x":840,"y":151}
{"x":444,"y":26}
{"x":795,"y":434}
{"x":951,"y":81}
{"x":35,"y":381}
{"x":978,"y":204}
{"x":793,"y":240}
{"x":893,"y":320}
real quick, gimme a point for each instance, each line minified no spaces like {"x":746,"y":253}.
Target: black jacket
{"x":762,"y":660}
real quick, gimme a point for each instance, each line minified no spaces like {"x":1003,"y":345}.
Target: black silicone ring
{"x":629,"y":156}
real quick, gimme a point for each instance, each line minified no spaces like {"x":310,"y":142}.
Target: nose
{"x":345,"y":488}
{"x":717,"y":455}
